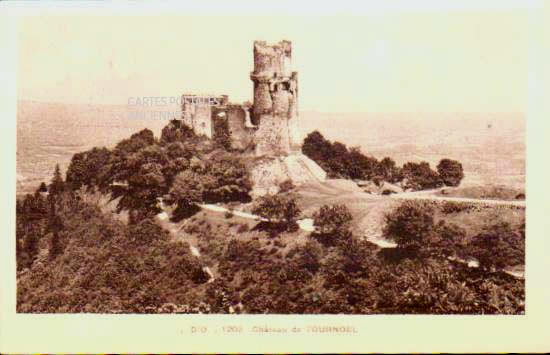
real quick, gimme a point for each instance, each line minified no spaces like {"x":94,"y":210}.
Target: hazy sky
{"x":426,"y":62}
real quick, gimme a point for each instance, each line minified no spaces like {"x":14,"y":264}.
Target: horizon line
{"x":308,"y":110}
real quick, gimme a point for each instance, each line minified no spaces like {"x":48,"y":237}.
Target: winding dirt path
{"x":176,"y":233}
{"x":305,"y":224}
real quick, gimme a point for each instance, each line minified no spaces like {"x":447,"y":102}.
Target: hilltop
{"x":125,"y":232}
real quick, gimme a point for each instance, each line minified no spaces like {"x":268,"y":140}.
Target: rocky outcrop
{"x":267,"y":173}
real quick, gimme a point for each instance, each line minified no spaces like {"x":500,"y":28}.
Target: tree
{"x":30,"y":243}
{"x":221,"y":135}
{"x":145,"y":178}
{"x":389,"y":171}
{"x":187,"y":189}
{"x":43,"y":187}
{"x":338,"y":160}
{"x":361,"y":166}
{"x":222,"y":178}
{"x":55,"y":247}
{"x":450,"y":172}
{"x":410,"y":224}
{"x":498,"y":246}
{"x":178,"y":155}
{"x":278,"y":209}
{"x":226,"y":178}
{"x":90,"y":168}
{"x":333,"y":224}
{"x":331,"y":219}
{"x":308,"y":256}
{"x":176,"y":131}
{"x":420,"y":176}
{"x":137,"y":141}
{"x":57,"y":185}
{"x":318,"y":149}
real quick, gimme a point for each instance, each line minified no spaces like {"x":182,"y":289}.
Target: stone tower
{"x":275,"y":107}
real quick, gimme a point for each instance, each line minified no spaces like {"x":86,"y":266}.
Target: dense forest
{"x":74,"y":257}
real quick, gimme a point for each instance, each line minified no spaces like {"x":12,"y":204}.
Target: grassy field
{"x":473,"y":220}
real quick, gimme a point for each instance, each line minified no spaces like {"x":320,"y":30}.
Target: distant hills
{"x":50,"y":133}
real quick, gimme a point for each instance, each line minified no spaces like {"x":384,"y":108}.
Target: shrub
{"x":449,"y":207}
{"x":331,"y":219}
{"x":176,"y":131}
{"x":286,"y":186}
{"x":277,"y":209}
{"x":450,"y":171}
{"x":145,"y":232}
{"x":332,"y":224}
{"x":448,"y":238}
{"x":221,"y":135}
{"x":420,"y":176}
{"x":410,"y":224}
{"x":307,"y":256}
{"x":389,"y":171}
{"x":498,"y":246}
{"x":243,"y":228}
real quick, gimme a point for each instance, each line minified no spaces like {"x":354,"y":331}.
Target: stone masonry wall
{"x":275,"y":107}
{"x":197,"y":112}
{"x":239,"y":127}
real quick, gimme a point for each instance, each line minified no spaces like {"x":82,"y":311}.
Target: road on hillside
{"x":424,"y":195}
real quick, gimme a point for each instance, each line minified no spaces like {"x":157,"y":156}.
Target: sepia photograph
{"x":273,"y":178}
{"x":165,"y":168}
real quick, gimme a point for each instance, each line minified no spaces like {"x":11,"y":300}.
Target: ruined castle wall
{"x":202,"y":123}
{"x":233,"y":118}
{"x":197,"y":112}
{"x":242,"y":137}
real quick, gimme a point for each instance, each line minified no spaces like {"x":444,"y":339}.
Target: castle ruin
{"x":267,"y":127}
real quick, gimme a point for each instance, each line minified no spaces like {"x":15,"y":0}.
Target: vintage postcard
{"x":273,"y":178}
